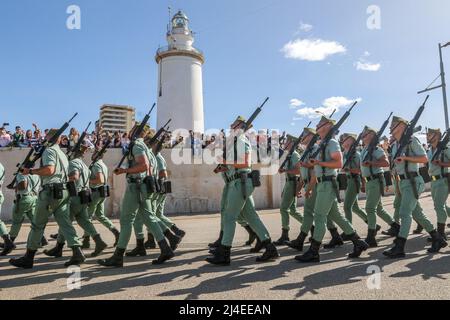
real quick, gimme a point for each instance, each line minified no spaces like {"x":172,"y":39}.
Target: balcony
{"x":177,"y":50}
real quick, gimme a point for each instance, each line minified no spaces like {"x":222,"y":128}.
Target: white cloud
{"x":295,"y":103}
{"x":367,"y":66}
{"x":366,"y":53}
{"x":305,"y":27}
{"x":311,"y":49}
{"x":328,"y":106}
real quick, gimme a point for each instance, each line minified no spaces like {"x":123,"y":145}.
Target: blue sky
{"x":47,"y":71}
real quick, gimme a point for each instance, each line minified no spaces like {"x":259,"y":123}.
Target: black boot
{"x":398,"y":250}
{"x":359,"y":246}
{"x":150,"y":243}
{"x":180,"y":233}
{"x":371,"y":240}
{"x":297,"y":244}
{"x":115,"y":261}
{"x":86,"y":242}
{"x":283,"y":239}
{"x":418,"y":230}
{"x":174,"y":240}
{"x":54,"y":236}
{"x":312,"y":255}
{"x":271,"y":252}
{"x":116,"y":234}
{"x":378,"y":228}
{"x":221,"y":256}
{"x":392,"y":231}
{"x":258,"y":246}
{"x":345,"y":237}
{"x":77,"y":257}
{"x":437,"y":242}
{"x":441,"y":230}
{"x":251,"y":236}
{"x":8,"y":245}
{"x":166,"y":252}
{"x":44,"y":241}
{"x":100,"y":245}
{"x":336,"y":240}
{"x":139,"y":251}
{"x":216,"y":243}
{"x":312,"y":234}
{"x":56,"y":252}
{"x":26,"y":262}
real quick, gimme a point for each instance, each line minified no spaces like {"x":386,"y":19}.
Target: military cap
{"x":309,"y":131}
{"x":434,"y":131}
{"x":368,"y":129}
{"x":291,"y":138}
{"x":52,"y":132}
{"x":396,"y":119}
{"x":328,"y":120}
{"x":242,"y":119}
{"x":345,"y":136}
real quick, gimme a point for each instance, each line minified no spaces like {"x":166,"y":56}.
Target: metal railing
{"x":178,"y":47}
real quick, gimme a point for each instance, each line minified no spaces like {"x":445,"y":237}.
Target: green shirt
{"x":377,"y":154}
{"x":292,"y":162}
{"x":355,"y":162}
{"x":332,"y":147}
{"x":153,"y":162}
{"x":33,"y":183}
{"x":434,"y":170}
{"x":78,"y":166}
{"x":305,"y":172}
{"x":243,"y":147}
{"x":161,"y":163}
{"x":2,"y":175}
{"x":139,"y":149}
{"x":99,"y":167}
{"x":414,"y":149}
{"x":53,"y":156}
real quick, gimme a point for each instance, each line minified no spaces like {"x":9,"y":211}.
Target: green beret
{"x":345,"y":136}
{"x":396,"y":119}
{"x":369,"y":130}
{"x":328,"y":120}
{"x":434,"y":131}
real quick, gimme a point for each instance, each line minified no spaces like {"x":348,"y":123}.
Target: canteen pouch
{"x":58,"y":191}
{"x":256,"y":178}
{"x":104,"y":191}
{"x":150,"y":184}
{"x":85,"y":196}
{"x":388,"y":178}
{"x":159,"y":186}
{"x":72,"y":189}
{"x":423,"y":171}
{"x":167,"y":187}
{"x":334,"y":183}
{"x":342,"y":181}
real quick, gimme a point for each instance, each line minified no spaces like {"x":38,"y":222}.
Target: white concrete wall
{"x":182,"y":93}
{"x":196,"y":189}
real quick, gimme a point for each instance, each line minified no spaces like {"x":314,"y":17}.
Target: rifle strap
{"x":235,"y":150}
{"x":411,"y":179}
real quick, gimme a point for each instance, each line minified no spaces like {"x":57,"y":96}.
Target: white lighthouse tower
{"x":180,"y":84}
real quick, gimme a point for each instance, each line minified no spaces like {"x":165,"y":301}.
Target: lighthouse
{"x":180,"y":83}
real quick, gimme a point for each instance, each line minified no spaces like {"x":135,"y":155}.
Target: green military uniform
{"x":3,"y":230}
{"x":25,"y":203}
{"x":289,"y":196}
{"x":97,"y":206}
{"x":160,"y":198}
{"x":79,"y":211}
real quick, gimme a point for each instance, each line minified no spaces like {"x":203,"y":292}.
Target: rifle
{"x":100,"y":153}
{"x":376,"y":140}
{"x":36,"y":153}
{"x":332,"y":132}
{"x":293,"y":148}
{"x":351,"y":153}
{"x":442,"y":145}
{"x":162,"y":130}
{"x":405,"y":140}
{"x":136,"y":133}
{"x":78,"y":144}
{"x":247,"y":126}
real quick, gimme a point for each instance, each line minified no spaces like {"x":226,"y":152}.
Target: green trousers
{"x":79,"y":213}
{"x":289,"y":205}
{"x":351,"y":201}
{"x":46,"y":206}
{"x":3,"y":230}
{"x":25,"y":207}
{"x":137,"y":203}
{"x":374,"y":206}
{"x":308,"y":212}
{"x":439,"y":193}
{"x":410,"y":207}
{"x":223,"y":201}
{"x":160,"y":201}
{"x":234,"y":205}
{"x":326,"y":206}
{"x":97,"y":209}
{"x":138,"y":224}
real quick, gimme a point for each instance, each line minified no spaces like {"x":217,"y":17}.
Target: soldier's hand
{"x":367,"y":164}
{"x":308,"y":194}
{"x":120,"y":171}
{"x":345,"y":170}
{"x":281,"y":170}
{"x":363,"y":189}
{"x":400,"y":159}
{"x":314,"y":162}
{"x":25,"y":171}
{"x":437,"y":163}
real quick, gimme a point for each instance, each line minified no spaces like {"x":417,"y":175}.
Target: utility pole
{"x":442,"y":85}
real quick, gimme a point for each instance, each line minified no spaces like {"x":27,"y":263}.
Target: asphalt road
{"x":418,"y":276}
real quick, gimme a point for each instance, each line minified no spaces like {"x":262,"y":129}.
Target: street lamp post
{"x":442,"y":85}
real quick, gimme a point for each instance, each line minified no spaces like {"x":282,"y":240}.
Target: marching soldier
{"x":374,"y":185}
{"x":411,"y":185}
{"x":53,"y":199}
{"x":138,"y":201}
{"x":438,"y":171}
{"x":98,"y":182}
{"x":324,"y":176}
{"x":238,"y":198}
{"x":308,"y":207}
{"x":8,"y":244}
{"x":289,"y":194}
{"x":80,"y":198}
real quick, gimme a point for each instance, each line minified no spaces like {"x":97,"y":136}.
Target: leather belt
{"x":326,"y":178}
{"x":50,"y":187}
{"x":235,"y":176}
{"x":134,"y":180}
{"x":292,"y":179}
{"x":373,"y":177}
{"x":412,"y":175}
{"x":439,"y":177}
